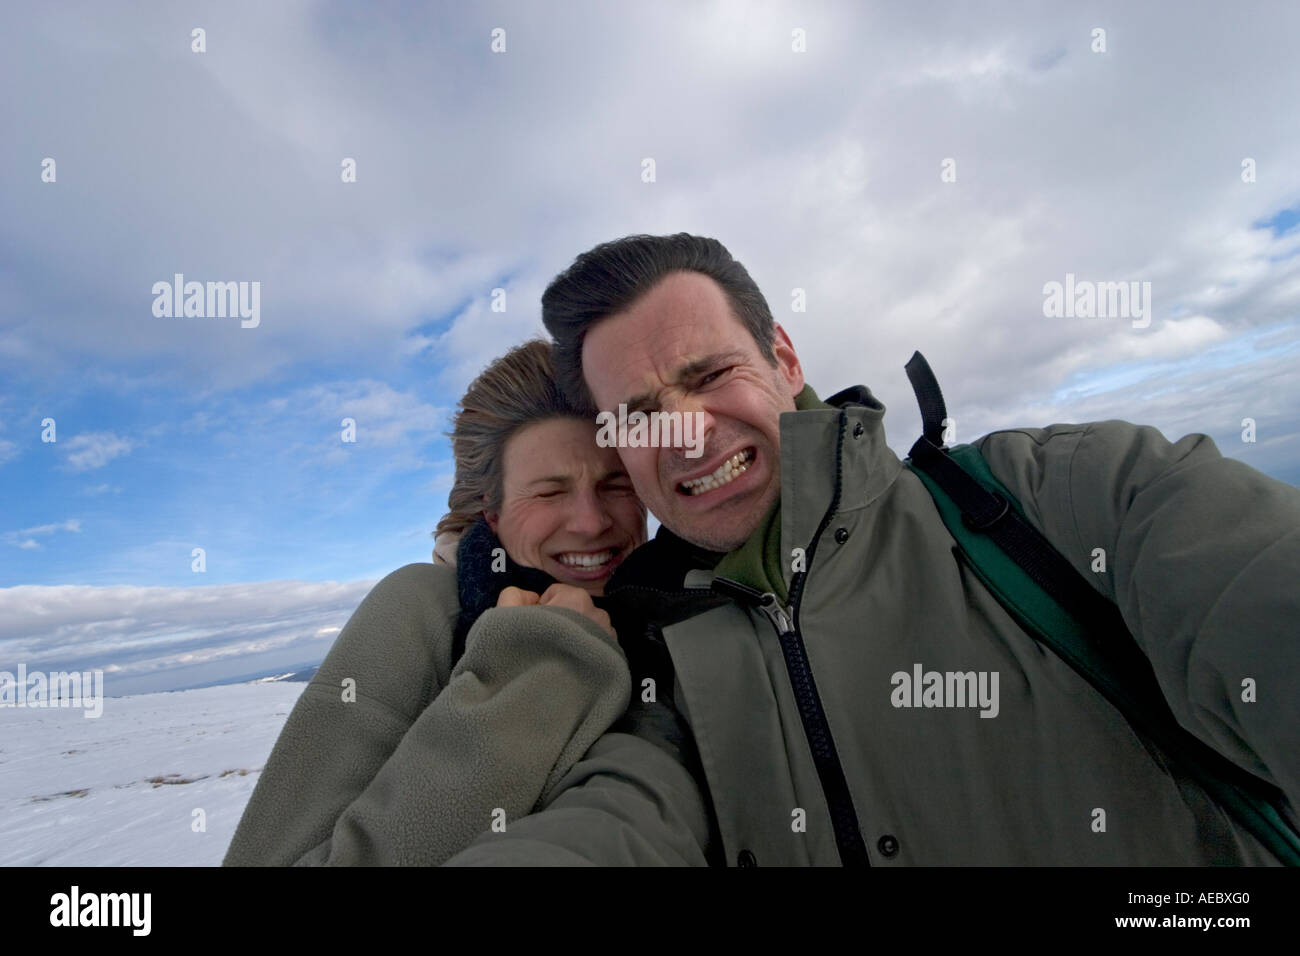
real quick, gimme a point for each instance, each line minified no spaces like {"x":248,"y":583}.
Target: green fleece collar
{"x":757,"y":562}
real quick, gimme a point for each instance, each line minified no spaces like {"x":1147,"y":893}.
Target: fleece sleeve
{"x":1201,"y":554}
{"x":633,"y":800}
{"x":389,"y":759}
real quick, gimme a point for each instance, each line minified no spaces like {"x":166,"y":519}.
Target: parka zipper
{"x":835,"y":788}
{"x":844,"y":820}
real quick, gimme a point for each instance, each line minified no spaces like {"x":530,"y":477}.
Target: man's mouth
{"x":724,"y":474}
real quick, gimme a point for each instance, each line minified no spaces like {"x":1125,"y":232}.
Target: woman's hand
{"x":558,"y":595}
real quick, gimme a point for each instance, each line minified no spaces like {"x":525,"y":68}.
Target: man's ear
{"x":787,"y":362}
{"x":492,"y":518}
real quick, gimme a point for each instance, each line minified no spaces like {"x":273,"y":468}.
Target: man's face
{"x":679,"y":348}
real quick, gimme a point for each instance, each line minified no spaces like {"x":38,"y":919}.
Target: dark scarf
{"x":644,"y":593}
{"x":648,"y":584}
{"x":479,"y":586}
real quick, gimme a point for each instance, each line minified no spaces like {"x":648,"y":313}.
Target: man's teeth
{"x":585,"y":559}
{"x":728,"y":471}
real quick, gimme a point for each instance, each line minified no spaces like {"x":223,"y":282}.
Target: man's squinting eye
{"x":713,"y":376}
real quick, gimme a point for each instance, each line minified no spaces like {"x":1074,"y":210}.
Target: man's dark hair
{"x":613,"y":275}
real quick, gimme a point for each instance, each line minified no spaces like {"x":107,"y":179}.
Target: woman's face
{"x":568,"y":507}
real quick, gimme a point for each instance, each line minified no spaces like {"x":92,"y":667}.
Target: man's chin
{"x":723,"y":518}
{"x":718,"y":536}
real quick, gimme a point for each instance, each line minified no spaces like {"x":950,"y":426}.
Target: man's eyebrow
{"x":687,"y":371}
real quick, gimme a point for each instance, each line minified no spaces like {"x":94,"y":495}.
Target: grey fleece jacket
{"x":393,"y":756}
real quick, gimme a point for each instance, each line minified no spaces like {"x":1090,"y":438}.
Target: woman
{"x":456,"y":698}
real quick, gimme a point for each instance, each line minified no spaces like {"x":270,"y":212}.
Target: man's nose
{"x":697,"y":426}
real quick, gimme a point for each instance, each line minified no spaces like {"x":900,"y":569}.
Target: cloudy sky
{"x":921,"y":171}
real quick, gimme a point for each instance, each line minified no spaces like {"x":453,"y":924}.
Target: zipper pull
{"x":776,"y":614}
{"x":765,"y":601}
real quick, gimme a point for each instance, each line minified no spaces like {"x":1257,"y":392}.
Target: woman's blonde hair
{"x":516,"y":390}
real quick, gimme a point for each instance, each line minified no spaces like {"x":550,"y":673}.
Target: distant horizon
{"x":303,"y":672}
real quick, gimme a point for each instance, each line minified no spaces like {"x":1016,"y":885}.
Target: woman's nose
{"x":590,"y":516}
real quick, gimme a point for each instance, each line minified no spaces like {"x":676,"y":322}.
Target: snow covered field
{"x":121,"y":789}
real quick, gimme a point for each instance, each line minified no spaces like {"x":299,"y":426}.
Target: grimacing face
{"x":568,"y":507}
{"x":680,"y":348}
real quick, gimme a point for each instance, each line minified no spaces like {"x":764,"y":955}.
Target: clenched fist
{"x":558,"y":595}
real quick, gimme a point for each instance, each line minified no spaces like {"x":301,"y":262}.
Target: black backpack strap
{"x":990,"y":513}
{"x":928,"y":397}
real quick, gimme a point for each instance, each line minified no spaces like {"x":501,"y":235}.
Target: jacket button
{"x":858,"y":430}
{"x":841,"y":535}
{"x":745,"y":858}
{"x":888,"y":845}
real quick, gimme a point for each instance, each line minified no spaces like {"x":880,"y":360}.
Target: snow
{"x":121,"y":789}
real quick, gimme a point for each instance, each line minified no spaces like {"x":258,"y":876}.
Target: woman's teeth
{"x":728,"y":471}
{"x":586,"y":559}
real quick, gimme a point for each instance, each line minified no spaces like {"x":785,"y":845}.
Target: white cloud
{"x":140,"y":630}
{"x":91,"y":450}
{"x":96,"y":490}
{"x":72,"y":524}
{"x":392,"y":429}
{"x":819,"y":170}
{"x":23,"y":539}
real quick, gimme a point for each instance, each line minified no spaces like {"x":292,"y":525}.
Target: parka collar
{"x":832,"y":459}
{"x":828,"y":455}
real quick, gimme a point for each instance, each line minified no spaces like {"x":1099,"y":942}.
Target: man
{"x":855,"y":693}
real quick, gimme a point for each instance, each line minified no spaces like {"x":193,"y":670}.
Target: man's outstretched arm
{"x":630,"y":801}
{"x":1202,"y":554}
